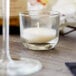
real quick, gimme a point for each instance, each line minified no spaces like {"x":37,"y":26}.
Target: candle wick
{"x":37,"y":24}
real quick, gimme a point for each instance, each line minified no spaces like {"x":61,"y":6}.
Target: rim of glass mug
{"x":43,"y":13}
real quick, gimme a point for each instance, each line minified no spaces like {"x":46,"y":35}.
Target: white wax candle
{"x":38,"y":35}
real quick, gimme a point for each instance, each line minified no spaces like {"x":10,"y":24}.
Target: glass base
{"x":41,"y":46}
{"x":19,"y":67}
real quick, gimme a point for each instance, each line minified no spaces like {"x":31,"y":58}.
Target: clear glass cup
{"x":39,"y":30}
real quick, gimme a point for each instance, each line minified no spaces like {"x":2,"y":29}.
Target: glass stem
{"x":6,"y":13}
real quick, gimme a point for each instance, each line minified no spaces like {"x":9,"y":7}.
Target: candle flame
{"x":43,"y":2}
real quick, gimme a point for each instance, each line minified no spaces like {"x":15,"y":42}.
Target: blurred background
{"x":66,"y":7}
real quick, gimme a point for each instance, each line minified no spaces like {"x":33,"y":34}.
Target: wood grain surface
{"x":53,"y":61}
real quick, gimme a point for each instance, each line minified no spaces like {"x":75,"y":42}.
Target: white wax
{"x":38,"y":35}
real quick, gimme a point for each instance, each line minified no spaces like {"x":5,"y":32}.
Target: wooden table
{"x":53,"y":60}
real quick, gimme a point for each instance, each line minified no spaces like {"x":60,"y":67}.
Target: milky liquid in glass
{"x":43,"y":38}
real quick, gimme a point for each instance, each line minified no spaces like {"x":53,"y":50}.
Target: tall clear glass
{"x":9,"y":67}
{"x":39,"y":30}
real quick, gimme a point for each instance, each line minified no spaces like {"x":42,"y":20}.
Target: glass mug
{"x":39,"y":30}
